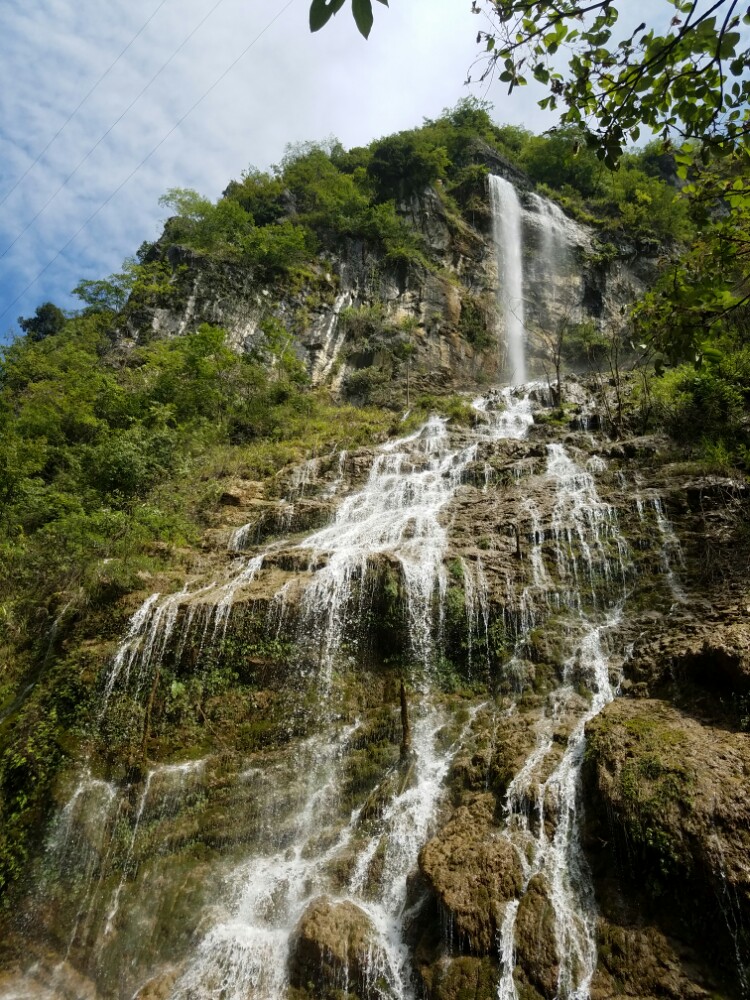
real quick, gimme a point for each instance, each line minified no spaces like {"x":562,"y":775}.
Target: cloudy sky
{"x":203,"y":89}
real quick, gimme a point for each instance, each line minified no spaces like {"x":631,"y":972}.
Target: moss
{"x":551,"y":418}
{"x":456,"y":408}
{"x":651,"y":789}
{"x":474,"y":323}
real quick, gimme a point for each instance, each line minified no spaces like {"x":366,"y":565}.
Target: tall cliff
{"x":444,"y":704}
{"x":358,"y":319}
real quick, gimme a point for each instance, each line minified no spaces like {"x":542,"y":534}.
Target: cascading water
{"x":506,"y":232}
{"x":397,"y":513}
{"x":307,"y":849}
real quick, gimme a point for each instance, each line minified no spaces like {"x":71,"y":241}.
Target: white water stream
{"x":506,"y":232}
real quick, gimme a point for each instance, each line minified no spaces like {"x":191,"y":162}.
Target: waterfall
{"x":305,"y":845}
{"x":507,"y":234}
{"x":538,"y":292}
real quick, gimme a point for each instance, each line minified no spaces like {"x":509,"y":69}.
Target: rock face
{"x":357,"y":315}
{"x":335,"y":948}
{"x":473,"y":871}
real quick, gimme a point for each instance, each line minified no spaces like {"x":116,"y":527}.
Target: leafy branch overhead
{"x":690,"y":80}
{"x":321,"y":11}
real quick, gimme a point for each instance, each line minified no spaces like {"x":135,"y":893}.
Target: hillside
{"x":375,"y":615}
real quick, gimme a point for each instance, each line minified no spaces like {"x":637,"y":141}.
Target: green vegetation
{"x":707,"y":408}
{"x":112,"y":459}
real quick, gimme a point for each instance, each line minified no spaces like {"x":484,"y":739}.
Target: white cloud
{"x":290,"y":86}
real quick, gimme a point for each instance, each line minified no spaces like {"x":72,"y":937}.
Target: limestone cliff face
{"x":356,"y":312}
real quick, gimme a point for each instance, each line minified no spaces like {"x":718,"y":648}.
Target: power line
{"x":116,"y":122}
{"x":148,"y":156}
{"x":83,"y":100}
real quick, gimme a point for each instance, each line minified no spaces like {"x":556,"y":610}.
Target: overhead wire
{"x":116,"y":122}
{"x":147,"y":157}
{"x":83,"y":100}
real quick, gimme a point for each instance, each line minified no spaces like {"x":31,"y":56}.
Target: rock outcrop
{"x":335,"y":947}
{"x":473,"y":872}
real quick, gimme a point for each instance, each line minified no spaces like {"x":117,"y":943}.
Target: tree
{"x":703,"y":294}
{"x":46,"y":322}
{"x":689,"y":81}
{"x":405,"y":163}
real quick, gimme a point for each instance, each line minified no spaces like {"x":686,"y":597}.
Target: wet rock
{"x":492,"y":761}
{"x":472,"y":871}
{"x":462,"y":978}
{"x":536,"y":949}
{"x":159,"y":987}
{"x":709,"y":489}
{"x":48,"y":979}
{"x":647,"y":446}
{"x":669,"y":811}
{"x":712,"y":650}
{"x":335,"y":946}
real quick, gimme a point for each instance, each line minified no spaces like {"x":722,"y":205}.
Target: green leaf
{"x":728,"y":44}
{"x":321,"y":12}
{"x":362,"y":10}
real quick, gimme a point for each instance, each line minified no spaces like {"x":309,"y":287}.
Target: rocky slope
{"x":463,"y":715}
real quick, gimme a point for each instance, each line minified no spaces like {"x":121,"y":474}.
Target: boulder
{"x":668,"y":819}
{"x":642,"y":962}
{"x":335,"y":947}
{"x":472,"y":870}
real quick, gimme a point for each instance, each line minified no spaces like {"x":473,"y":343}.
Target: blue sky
{"x":290,"y":86}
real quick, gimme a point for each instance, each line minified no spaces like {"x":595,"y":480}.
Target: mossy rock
{"x":465,"y":977}
{"x":472,"y":871}
{"x":536,"y":948}
{"x":335,"y":946}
